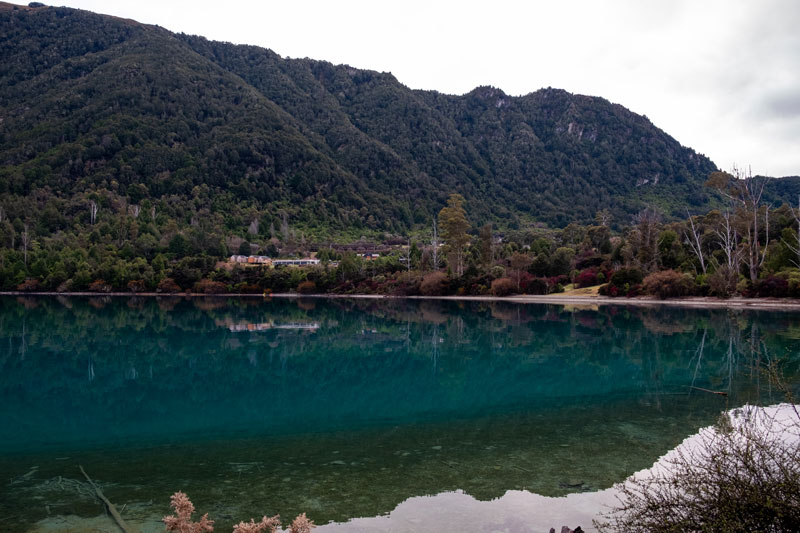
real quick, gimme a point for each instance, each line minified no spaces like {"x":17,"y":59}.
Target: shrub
{"x":182,"y":522}
{"x":538,"y":286}
{"x":29,"y":285}
{"x":497,"y":271}
{"x":770,"y":287}
{"x":136,"y":285}
{"x":722,"y":282}
{"x":247,"y":288}
{"x":668,"y":284}
{"x":307,"y":287}
{"x":206,"y":286}
{"x":99,"y":285}
{"x":503,"y":287}
{"x":587,"y":278}
{"x":626,"y":276}
{"x":168,"y":285}
{"x":742,"y":475}
{"x":434,"y":284}
{"x":792,"y":278}
{"x":623,"y":282}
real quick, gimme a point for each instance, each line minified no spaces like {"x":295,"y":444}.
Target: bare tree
{"x":435,"y":245}
{"x":134,"y":210}
{"x":286,"y":232}
{"x":746,"y":191}
{"x":408,"y":256}
{"x":252,"y":229}
{"x":729,"y":242}
{"x":25,"y":243}
{"x":692,"y":238}
{"x":92,"y":211}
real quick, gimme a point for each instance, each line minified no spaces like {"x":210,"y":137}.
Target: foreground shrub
{"x":182,"y":522}
{"x":434,"y":284}
{"x":503,"y":287}
{"x":668,"y":284}
{"x":741,"y":476}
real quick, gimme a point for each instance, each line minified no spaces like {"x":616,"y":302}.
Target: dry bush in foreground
{"x":741,"y":476}
{"x":182,"y":522}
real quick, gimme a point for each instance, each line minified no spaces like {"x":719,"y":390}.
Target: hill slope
{"x":94,"y":103}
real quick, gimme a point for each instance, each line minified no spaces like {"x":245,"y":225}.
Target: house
{"x":306,"y":261}
{"x":251,"y":259}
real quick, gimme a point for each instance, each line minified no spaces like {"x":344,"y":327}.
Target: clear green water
{"x":344,"y":408}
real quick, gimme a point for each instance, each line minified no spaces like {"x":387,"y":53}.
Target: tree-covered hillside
{"x":93,"y":104}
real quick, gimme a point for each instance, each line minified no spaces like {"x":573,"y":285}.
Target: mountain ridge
{"x":95,"y":104}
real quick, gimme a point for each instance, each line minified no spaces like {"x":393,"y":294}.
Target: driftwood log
{"x":110,"y":506}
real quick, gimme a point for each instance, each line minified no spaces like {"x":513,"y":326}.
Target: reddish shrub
{"x":434,"y":284}
{"x":623,"y":282}
{"x":136,"y":285}
{"x":769,"y":287}
{"x":307,"y":287}
{"x":722,"y":282}
{"x":99,"y":285}
{"x":206,"y":286}
{"x":168,"y":285}
{"x":248,"y":288}
{"x":30,"y":285}
{"x":503,"y":287}
{"x":587,"y":278}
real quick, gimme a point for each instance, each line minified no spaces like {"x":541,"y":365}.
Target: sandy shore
{"x":775,"y":304}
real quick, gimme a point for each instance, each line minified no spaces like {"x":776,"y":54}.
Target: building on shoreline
{"x":268,"y":261}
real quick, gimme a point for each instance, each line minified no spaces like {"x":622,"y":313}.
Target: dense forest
{"x":133,"y":158}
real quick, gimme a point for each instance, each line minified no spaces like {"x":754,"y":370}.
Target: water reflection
{"x":345,"y":408}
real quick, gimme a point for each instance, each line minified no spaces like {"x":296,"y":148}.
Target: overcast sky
{"x":721,"y":76}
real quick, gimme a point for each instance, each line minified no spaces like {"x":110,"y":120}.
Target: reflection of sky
{"x":523,"y":511}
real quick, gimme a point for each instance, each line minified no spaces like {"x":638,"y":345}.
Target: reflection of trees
{"x":365,"y":356}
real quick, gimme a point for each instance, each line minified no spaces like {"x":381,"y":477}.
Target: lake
{"x":344,"y":408}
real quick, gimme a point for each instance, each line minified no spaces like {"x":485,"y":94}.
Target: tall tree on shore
{"x":454,"y":223}
{"x":644,"y":238}
{"x":485,"y":245}
{"x":435,"y":246}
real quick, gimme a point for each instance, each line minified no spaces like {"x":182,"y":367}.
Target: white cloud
{"x":720,"y":76}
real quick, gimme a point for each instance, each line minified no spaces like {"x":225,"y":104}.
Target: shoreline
{"x":775,"y":304}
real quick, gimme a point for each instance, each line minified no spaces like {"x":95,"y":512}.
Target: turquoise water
{"x":344,"y":408}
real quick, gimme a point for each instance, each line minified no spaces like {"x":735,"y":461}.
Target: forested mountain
{"x":222,"y":135}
